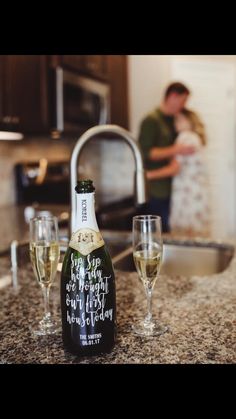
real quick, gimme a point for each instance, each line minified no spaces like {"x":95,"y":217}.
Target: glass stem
{"x":148,"y":317}
{"x":47,"y":313}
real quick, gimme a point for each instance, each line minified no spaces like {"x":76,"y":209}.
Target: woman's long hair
{"x":196,"y":123}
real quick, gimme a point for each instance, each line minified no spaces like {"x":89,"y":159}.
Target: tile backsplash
{"x":108,"y":162}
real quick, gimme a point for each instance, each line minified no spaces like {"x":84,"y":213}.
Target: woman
{"x":190,"y":209}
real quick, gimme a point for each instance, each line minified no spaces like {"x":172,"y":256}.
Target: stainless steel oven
{"x":77,"y":103}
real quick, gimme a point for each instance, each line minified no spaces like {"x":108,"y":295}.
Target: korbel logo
{"x":84,"y":209}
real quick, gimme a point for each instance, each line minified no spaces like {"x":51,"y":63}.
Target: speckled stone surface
{"x":200,"y":311}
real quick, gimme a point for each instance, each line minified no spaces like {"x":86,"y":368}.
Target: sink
{"x":179,"y":258}
{"x":192,"y":260}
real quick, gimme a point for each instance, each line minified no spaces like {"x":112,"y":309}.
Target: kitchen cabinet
{"x":1,"y":91}
{"x":118,"y":79}
{"x":73,"y":62}
{"x":92,"y":65}
{"x":25,"y":91}
{"x":96,"y":65}
{"x":108,"y":68}
{"x":23,"y":95}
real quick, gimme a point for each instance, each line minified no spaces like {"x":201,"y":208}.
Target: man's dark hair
{"x":178,"y":88}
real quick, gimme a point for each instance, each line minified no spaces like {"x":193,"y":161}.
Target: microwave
{"x":77,"y":103}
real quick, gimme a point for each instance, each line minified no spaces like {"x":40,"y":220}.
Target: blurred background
{"x":48,"y":101}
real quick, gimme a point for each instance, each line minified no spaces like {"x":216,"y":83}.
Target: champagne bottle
{"x":88,"y":300}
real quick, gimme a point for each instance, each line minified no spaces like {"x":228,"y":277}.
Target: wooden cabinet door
{"x":91,"y":65}
{"x":117,"y":76}
{"x":27,"y":91}
{"x":25,"y":99}
{"x":74,"y":62}
{"x":96,"y":65}
{"x":1,"y":90}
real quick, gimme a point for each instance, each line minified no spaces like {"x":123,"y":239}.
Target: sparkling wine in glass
{"x":147,"y":253}
{"x":44,"y":255}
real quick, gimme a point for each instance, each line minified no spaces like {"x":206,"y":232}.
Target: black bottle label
{"x":88,"y":301}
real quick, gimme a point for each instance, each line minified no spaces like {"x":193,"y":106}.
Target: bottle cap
{"x":85,"y":186}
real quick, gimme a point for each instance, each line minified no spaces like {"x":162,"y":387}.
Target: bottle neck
{"x":85,"y":210}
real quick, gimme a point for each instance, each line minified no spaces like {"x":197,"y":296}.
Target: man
{"x":156,"y":139}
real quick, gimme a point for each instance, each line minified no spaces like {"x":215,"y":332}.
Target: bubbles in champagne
{"x":44,"y":258}
{"x":148,"y":263}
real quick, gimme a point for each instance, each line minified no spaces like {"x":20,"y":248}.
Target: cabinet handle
{"x":11,"y":119}
{"x":6,"y":119}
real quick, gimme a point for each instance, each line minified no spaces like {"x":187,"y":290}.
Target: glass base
{"x":143,"y":328}
{"x":45,"y":327}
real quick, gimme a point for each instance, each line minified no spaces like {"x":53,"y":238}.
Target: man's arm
{"x":160,"y":153}
{"x":149,"y":133}
{"x":169,"y":170}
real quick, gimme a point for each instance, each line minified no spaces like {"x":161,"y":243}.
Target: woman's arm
{"x":169,"y":170}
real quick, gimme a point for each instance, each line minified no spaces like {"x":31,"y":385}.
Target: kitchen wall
{"x":108,"y":162}
{"x":148,"y":75}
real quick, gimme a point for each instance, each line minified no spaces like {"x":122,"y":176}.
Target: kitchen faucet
{"x":127,"y":137}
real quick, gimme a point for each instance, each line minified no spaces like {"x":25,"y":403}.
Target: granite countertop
{"x":200,"y":312}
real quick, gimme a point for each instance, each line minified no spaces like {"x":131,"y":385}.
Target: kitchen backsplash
{"x":108,"y":162}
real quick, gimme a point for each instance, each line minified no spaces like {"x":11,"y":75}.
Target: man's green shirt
{"x":157,"y":130}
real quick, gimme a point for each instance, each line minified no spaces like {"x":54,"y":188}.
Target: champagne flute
{"x":147,"y":253}
{"x":44,"y":255}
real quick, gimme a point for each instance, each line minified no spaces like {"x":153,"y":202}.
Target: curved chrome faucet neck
{"x":127,"y":137}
